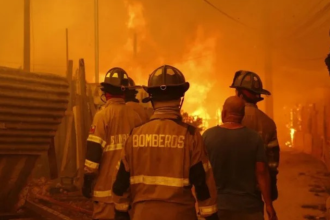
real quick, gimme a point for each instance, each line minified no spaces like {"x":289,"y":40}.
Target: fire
{"x":202,"y":113}
{"x":197,"y":66}
{"x":136,"y":24}
{"x":292,"y":130}
{"x":219,"y":116}
{"x":200,"y":62}
{"x":136,"y":19}
{"x":139,"y":43}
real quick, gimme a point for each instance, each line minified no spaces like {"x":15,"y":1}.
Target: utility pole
{"x":67,"y":46}
{"x":96,"y":26}
{"x":268,"y":68}
{"x":27,"y":42}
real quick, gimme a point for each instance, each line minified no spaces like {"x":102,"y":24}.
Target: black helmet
{"x":131,"y":91}
{"x":132,"y":84}
{"x":166,"y":82}
{"x":115,"y":81}
{"x":250,"y":81}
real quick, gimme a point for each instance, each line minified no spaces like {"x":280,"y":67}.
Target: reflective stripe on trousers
{"x":159,"y":180}
{"x":102,"y":194}
{"x":91,"y":164}
{"x":207,"y":210}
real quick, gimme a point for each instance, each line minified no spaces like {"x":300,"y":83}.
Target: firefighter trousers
{"x":103,"y":211}
{"x":158,"y":210}
{"x":231,"y":215}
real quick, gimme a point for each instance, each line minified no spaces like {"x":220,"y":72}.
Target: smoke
{"x":207,"y":46}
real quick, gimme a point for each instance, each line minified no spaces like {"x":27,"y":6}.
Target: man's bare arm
{"x":263,"y":178}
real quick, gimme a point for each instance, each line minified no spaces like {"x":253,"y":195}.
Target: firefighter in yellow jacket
{"x":249,"y":87}
{"x":164,"y":158}
{"x":109,"y":131}
{"x":133,"y":102}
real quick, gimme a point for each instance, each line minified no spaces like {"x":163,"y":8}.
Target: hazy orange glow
{"x":140,"y":35}
{"x":199,"y":60}
{"x":195,"y":68}
{"x":219,"y":116}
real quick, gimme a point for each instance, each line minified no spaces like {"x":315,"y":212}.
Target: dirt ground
{"x":303,"y":184}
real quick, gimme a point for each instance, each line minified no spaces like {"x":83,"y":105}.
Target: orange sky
{"x":207,"y":46}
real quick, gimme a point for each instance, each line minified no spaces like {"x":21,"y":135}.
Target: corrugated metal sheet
{"x":14,"y":171}
{"x":31,"y":108}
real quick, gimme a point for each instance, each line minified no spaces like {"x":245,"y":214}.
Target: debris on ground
{"x":48,"y":193}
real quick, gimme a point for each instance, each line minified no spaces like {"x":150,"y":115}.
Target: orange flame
{"x":219,"y":116}
{"x":199,"y":61}
{"x":292,"y":131}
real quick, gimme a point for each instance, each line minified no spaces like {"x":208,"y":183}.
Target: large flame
{"x":136,"y":25}
{"x":137,"y":32}
{"x":197,"y":63}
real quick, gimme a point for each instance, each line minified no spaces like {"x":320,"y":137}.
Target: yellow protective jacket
{"x":108,"y":134}
{"x":162,"y":160}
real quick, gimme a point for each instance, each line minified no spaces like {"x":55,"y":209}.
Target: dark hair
{"x":130,"y":96}
{"x":170,"y":93}
{"x":113,"y":90}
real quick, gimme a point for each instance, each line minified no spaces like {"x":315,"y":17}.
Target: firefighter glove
{"x":273,"y":185}
{"x":87,"y":189}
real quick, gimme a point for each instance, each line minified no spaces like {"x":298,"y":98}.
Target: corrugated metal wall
{"x":14,"y":171}
{"x":31,"y":109}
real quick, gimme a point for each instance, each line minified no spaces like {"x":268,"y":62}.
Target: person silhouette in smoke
{"x":327,"y":60}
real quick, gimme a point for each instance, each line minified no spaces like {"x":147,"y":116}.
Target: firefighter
{"x":164,"y":158}
{"x":109,"y":130}
{"x":133,"y":102}
{"x":327,"y":62}
{"x":249,"y":87}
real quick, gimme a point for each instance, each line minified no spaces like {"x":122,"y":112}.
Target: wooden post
{"x":96,"y":20}
{"x":68,"y":141}
{"x":52,"y":160}
{"x":91,"y":103}
{"x":80,"y":120}
{"x":69,"y":124}
{"x":69,"y":77}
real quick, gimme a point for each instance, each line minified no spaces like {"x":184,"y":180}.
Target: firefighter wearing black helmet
{"x":249,"y":87}
{"x":109,"y":130}
{"x":133,"y":102}
{"x":164,"y":158}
